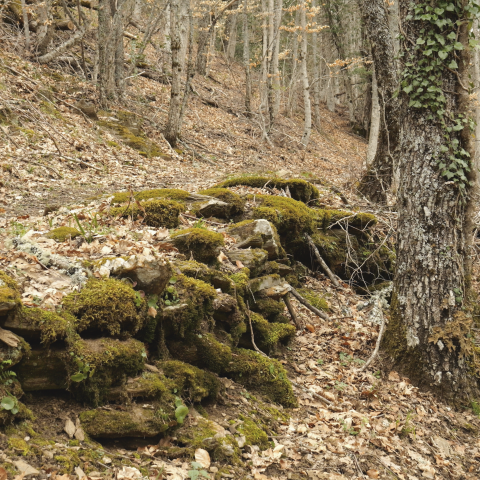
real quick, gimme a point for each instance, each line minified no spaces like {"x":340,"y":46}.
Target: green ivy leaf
{"x":78,"y":377}
{"x":443,"y":54}
{"x":8,"y":403}
{"x":453,"y":64}
{"x":458,"y":46}
{"x":420,"y":41}
{"x":180,"y":413}
{"x":452,"y":36}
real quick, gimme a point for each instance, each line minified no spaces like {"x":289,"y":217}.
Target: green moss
{"x":212,"y":354}
{"x":107,"y":305}
{"x":203,"y":244}
{"x":9,"y":291}
{"x":53,"y":326}
{"x":167,"y":193}
{"x":73,"y":443}
{"x":359,"y":221}
{"x":268,"y":307}
{"x":19,"y":445}
{"x":254,"y":435}
{"x":191,"y":382}
{"x":109,"y":362}
{"x":61,"y":234}
{"x":290,"y":217}
{"x":299,"y":189}
{"x":269,"y":335}
{"x":314,"y":298}
{"x":128,"y":128}
{"x":157,"y":213}
{"x":227,"y":196}
{"x":197,"y":296}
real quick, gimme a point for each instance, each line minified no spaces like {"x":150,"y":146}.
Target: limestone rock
{"x":225,"y":309}
{"x":269,"y":286}
{"x":25,"y":468}
{"x":254,"y":259}
{"x":257,"y":234}
{"x":214,"y":208}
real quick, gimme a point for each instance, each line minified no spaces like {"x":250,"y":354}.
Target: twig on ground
{"x":316,"y":395}
{"x":292,"y":312}
{"x":206,"y":221}
{"x":330,"y":274}
{"x":308,"y":305}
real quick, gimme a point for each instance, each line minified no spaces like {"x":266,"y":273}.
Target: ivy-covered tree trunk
{"x":378,"y":177}
{"x":427,"y":337}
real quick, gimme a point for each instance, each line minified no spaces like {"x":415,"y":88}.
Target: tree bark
{"x":316,"y":71}
{"x":307,"y":126}
{"x":374,"y":122}
{"x":428,"y":335}
{"x":274,"y":74}
{"x":232,"y":36}
{"x":246,"y":59}
{"x":25,"y":25}
{"x":378,"y":178}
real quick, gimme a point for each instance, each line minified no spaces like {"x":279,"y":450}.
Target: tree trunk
{"x":232,"y":36}
{"x":316,"y":72}
{"x":246,"y":59}
{"x":25,"y":25}
{"x":292,"y":87}
{"x":45,"y":27}
{"x":378,"y":178}
{"x":275,"y":10}
{"x":307,"y":127}
{"x":428,"y":336}
{"x":374,"y":122}
{"x":173,"y":123}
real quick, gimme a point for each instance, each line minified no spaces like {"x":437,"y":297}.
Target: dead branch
{"x":251,"y":333}
{"x":304,"y":302}
{"x":379,"y":340}
{"x":321,"y":261}
{"x":315,"y":395}
{"x":56,"y":52}
{"x":292,"y":312}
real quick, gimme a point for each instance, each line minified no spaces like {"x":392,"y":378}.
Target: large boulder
{"x":254,"y":259}
{"x":203,"y":245}
{"x":257,"y":234}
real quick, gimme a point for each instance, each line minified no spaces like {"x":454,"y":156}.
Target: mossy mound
{"x":236,"y":201}
{"x":128,"y":128}
{"x":108,"y":306}
{"x":254,"y":435}
{"x":157,"y":213}
{"x":299,"y":189}
{"x":167,"y":193}
{"x":9,"y":293}
{"x":61,"y":234}
{"x":203,"y":244}
{"x":291,"y":218}
{"x":188,"y":303}
{"x":52,"y":326}
{"x":96,"y":365}
{"x":191,"y":383}
{"x":314,"y":298}
{"x":269,"y":335}
{"x":269,"y":308}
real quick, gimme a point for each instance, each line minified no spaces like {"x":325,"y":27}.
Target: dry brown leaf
{"x":222,"y":257}
{"x":152,"y":312}
{"x":373,"y":473}
{"x":310,"y":328}
{"x":394,"y":376}
{"x":202,"y":457}
{"x":239,"y":264}
{"x":3,"y":474}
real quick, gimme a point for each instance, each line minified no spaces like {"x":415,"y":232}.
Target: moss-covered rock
{"x":108,"y":306}
{"x":269,"y":308}
{"x":191,"y":382}
{"x":269,"y":335}
{"x":357,"y":221}
{"x":98,"y":364}
{"x":132,"y":421}
{"x":49,"y":326}
{"x":254,"y":259}
{"x":258,"y":233}
{"x":236,"y":202}
{"x":61,"y":234}
{"x":13,"y":355}
{"x":254,"y":435}
{"x":157,"y":213}
{"x":200,"y":271}
{"x":192,"y":304}
{"x":203,"y":244}
{"x":299,"y":189}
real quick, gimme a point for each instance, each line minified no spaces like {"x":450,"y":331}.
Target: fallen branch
{"x":316,"y":395}
{"x":251,"y":333}
{"x":304,"y":302}
{"x":291,"y":310}
{"x":321,"y":261}
{"x":56,"y":52}
{"x":379,"y":340}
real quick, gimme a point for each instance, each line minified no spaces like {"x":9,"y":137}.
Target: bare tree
{"x":246,"y":59}
{"x":307,"y":128}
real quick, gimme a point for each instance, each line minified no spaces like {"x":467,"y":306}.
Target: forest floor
{"x":369,"y":425}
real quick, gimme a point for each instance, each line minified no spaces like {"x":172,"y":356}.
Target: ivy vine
{"x":437,"y":48}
